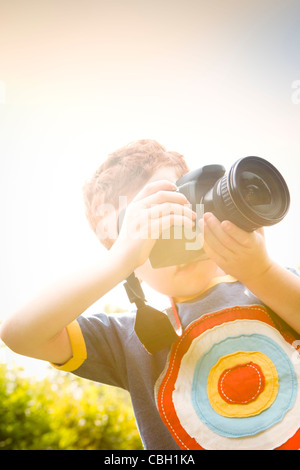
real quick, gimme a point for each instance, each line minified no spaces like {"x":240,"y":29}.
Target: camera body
{"x":251,"y":194}
{"x":171,"y":250}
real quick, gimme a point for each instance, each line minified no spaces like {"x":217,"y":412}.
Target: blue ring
{"x":242,"y":427}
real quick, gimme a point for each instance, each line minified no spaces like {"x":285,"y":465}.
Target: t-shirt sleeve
{"x":294,"y":271}
{"x":99,"y":348}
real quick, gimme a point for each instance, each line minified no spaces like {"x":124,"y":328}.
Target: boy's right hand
{"x":155,"y":208}
{"x":39,"y":328}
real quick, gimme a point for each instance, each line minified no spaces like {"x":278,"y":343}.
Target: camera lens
{"x":255,"y":191}
{"x":252,"y":194}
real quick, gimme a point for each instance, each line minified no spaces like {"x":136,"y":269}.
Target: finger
{"x":261,"y":231}
{"x":240,"y":236}
{"x":154,"y":187}
{"x":216,"y":257}
{"x":213,"y":243}
{"x":162,"y":196}
{"x":214,"y":233}
{"x":163,"y":224}
{"x":159,"y":210}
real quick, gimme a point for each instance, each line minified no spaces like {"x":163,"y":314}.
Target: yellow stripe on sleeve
{"x":78,"y":348}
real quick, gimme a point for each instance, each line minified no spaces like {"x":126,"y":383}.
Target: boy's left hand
{"x":241,"y":254}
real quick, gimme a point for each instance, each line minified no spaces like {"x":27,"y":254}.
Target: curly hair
{"x":125,"y":172}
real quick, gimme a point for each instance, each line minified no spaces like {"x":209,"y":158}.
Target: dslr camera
{"x":251,"y":194}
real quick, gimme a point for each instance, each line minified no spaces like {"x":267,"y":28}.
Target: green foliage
{"x":63,"y":412}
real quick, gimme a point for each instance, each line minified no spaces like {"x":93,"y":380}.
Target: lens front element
{"x":252,"y":194}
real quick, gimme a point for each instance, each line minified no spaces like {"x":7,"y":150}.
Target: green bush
{"x":63,"y":412}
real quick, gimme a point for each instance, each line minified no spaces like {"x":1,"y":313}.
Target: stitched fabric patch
{"x":242,"y":383}
{"x":231,"y":382}
{"x":245,"y":389}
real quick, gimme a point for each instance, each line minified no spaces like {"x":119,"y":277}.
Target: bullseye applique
{"x":241,"y":384}
{"x":231,"y":383}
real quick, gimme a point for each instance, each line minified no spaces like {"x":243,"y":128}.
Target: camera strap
{"x":155,"y":329}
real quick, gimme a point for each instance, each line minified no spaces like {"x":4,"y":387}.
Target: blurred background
{"x":215,"y":81}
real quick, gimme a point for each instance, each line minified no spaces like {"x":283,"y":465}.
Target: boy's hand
{"x":154,"y":209}
{"x":239,"y":253}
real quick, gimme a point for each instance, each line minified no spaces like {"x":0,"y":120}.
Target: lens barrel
{"x":252,"y":194}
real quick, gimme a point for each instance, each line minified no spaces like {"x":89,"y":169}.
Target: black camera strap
{"x":155,"y":329}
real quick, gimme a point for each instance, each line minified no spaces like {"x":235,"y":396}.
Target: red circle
{"x":241,"y":384}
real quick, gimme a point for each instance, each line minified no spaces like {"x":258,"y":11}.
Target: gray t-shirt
{"x":115,"y":356}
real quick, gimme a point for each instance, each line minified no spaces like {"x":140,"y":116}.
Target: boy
{"x":231,"y":380}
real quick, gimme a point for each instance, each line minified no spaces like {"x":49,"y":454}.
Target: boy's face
{"x":177,"y":281}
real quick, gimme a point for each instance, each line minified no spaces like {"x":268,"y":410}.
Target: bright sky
{"x":78,"y":79}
